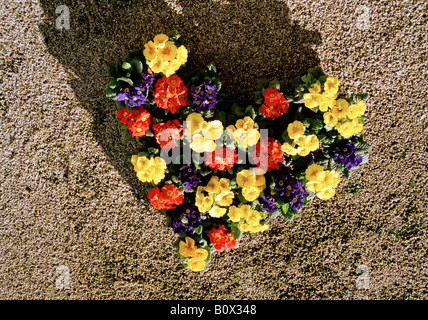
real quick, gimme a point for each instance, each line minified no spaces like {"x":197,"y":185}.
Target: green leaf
{"x":137,"y":65}
{"x":274,"y":84}
{"x":241,"y":198}
{"x":153,"y":151}
{"x":249,"y":111}
{"x":236,"y":232}
{"x":284,"y":209}
{"x":237,"y":110}
{"x":275,"y":214}
{"x":286,"y":138}
{"x":127,"y":136}
{"x":127,"y":80}
{"x":198,"y":230}
{"x":127,"y":67}
{"x":205,"y":173}
{"x":111,"y":70}
{"x":221,"y":115}
{"x":345,"y":172}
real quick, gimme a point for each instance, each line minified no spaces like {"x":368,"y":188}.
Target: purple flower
{"x":203,"y":97}
{"x":190,"y":176}
{"x":354,"y":162}
{"x":147,"y":78}
{"x":269,"y":201}
{"x":281,"y":182}
{"x":188,"y":219}
{"x":291,"y":191}
{"x":133,"y":96}
{"x":346,"y":155}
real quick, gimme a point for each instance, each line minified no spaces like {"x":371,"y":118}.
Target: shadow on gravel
{"x":245,"y":39}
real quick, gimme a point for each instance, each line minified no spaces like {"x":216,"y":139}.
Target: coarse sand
{"x":72,"y":208}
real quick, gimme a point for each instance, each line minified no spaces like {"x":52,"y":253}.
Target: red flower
{"x":170,"y":93}
{"x":271,"y":96}
{"x":166,"y":198}
{"x":221,"y":158}
{"x":138,"y":120}
{"x":274,"y":103}
{"x":123,"y":115}
{"x":221,"y":239}
{"x":167,"y":133}
{"x":273,"y":157}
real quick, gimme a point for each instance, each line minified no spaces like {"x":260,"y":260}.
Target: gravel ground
{"x":72,"y":208}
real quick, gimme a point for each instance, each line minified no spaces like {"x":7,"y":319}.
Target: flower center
{"x":345,"y":149}
{"x":281,"y":183}
{"x":187,"y":210}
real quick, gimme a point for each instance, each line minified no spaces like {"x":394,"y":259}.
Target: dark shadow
{"x":245,"y":39}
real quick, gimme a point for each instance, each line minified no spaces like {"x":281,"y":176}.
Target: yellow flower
{"x":356,"y":110}
{"x":303,"y":151}
{"x":244,"y":133}
{"x":361,"y":107}
{"x":315,"y":186}
{"x":330,"y":119}
{"x":311,"y":100}
{"x":148,"y":170}
{"x":203,"y":202}
{"x":316,"y":88}
{"x":187,"y":249}
{"x":300,"y":140}
{"x":150,"y":50}
{"x":196,"y":264}
{"x":225,"y":199}
{"x":158,"y":167}
{"x":182,"y":54}
{"x":201,"y":254}
{"x":260,"y":182}
{"x":296,"y":128}
{"x":313,"y":172}
{"x":249,"y":219}
{"x":224,"y":185}
{"x":213,"y":186}
{"x":258,"y":228}
{"x":253,"y":217}
{"x":340,"y":108}
{"x":217,"y":212}
{"x":288,"y":149}
{"x":157,"y":64}
{"x":246,"y":123}
{"x":326,"y":193}
{"x":193,"y":123}
{"x":331,"y":85}
{"x":201,"y":144}
{"x":329,"y":178}
{"x":346,"y":129}
{"x":357,"y":126}
{"x":250,"y":193}
{"x":244,"y":179}
{"x":160,"y":39}
{"x":234,"y":214}
{"x":312,"y":142}
{"x":168,"y":51}
{"x":245,"y":210}
{"x":326,"y":103}
{"x":170,"y":67}
{"x":212,"y":130}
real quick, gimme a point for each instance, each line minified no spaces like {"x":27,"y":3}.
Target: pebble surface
{"x":72,"y":209}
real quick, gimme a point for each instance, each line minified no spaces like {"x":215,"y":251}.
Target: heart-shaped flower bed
{"x":219,"y":170}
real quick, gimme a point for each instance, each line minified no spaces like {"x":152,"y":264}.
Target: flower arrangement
{"x":218,"y":170}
